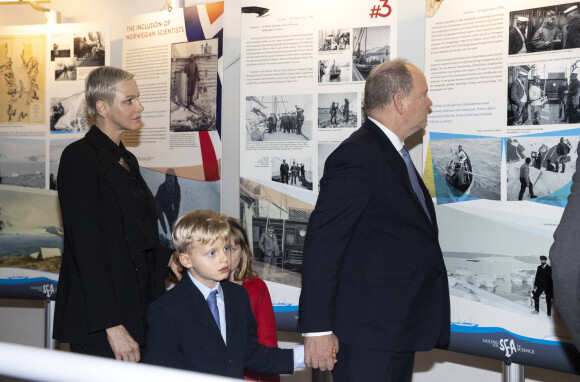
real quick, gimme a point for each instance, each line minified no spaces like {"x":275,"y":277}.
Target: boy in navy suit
{"x":205,"y":323}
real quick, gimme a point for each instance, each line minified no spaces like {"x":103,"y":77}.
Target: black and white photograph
{"x":293,"y":171}
{"x":69,"y":115}
{"x":281,"y":118}
{"x":22,"y":162}
{"x":334,"y":40}
{"x":88,"y":52}
{"x":61,"y":47}
{"x":466,"y":169}
{"x":544,"y":93}
{"x":194,"y":79}
{"x":544,"y":29}
{"x":57,"y":146}
{"x":371,"y":46}
{"x":277,"y":222}
{"x":176,"y":195}
{"x":337,"y":110}
{"x":540,"y":167}
{"x":334,"y":70}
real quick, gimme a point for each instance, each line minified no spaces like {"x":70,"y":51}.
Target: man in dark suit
{"x":284,"y":169}
{"x":543,"y":284}
{"x":374,"y":283}
{"x":573,"y":97}
{"x":517,"y":36}
{"x":518,"y":98}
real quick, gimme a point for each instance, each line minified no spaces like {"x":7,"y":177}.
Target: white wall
{"x":22,"y":321}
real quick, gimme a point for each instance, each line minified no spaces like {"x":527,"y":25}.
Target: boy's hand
{"x":124,"y":346}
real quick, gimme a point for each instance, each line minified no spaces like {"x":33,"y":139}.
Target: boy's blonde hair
{"x":245,"y":270}
{"x":201,"y":226}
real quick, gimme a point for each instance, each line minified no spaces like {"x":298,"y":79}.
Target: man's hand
{"x":320,"y":351}
{"x":124,"y":346}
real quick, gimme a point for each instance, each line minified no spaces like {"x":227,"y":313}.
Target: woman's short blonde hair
{"x":100,"y":85}
{"x":202,"y":227}
{"x":245,"y":269}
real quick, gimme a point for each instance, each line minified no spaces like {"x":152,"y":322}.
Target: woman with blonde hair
{"x":113,"y":265}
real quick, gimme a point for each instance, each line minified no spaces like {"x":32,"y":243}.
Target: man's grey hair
{"x":100,"y":85}
{"x":386,"y":80}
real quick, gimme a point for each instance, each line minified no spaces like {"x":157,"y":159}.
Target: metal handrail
{"x":42,"y":365}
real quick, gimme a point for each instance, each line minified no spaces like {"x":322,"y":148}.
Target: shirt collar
{"x":97,"y":135}
{"x":392,"y":136}
{"x":205,"y":291}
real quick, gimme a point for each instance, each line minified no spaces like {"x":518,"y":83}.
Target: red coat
{"x":264,"y":313}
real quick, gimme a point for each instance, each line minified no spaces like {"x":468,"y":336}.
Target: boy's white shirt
{"x":205,"y":291}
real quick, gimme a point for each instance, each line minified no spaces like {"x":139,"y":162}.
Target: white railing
{"x":37,"y":364}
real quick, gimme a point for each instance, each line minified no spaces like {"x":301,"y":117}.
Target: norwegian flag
{"x":203,"y":22}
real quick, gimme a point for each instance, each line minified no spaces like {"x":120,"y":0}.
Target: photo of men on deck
{"x":279,"y":118}
{"x":544,"y":93}
{"x":333,"y":40}
{"x":292,"y":171}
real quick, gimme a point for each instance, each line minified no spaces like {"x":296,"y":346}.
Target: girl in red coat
{"x":243,"y":272}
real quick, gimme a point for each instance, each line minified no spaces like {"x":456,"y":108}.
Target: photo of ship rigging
{"x":371,"y":47}
{"x":279,"y":118}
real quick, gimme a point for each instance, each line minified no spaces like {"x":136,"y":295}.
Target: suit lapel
{"x":201,"y":311}
{"x":398,"y":164}
{"x":232,"y":310}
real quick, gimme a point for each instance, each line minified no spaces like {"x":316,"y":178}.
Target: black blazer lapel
{"x":232,"y":310}
{"x":393,"y":157}
{"x":200,"y":309}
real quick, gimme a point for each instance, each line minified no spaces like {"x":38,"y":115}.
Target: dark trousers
{"x":357,"y":364}
{"x":536,"y":297}
{"x":524,"y":183}
{"x":518,"y":114}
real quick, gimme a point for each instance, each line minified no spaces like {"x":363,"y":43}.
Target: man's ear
{"x":185,"y":260}
{"x":399,"y":101}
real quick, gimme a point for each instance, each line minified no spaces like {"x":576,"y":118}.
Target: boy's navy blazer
{"x":183,"y":334}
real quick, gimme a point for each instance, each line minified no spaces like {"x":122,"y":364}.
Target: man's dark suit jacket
{"x":515,"y":41}
{"x":516,"y":93}
{"x":183,"y":334}
{"x":373,"y":270}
